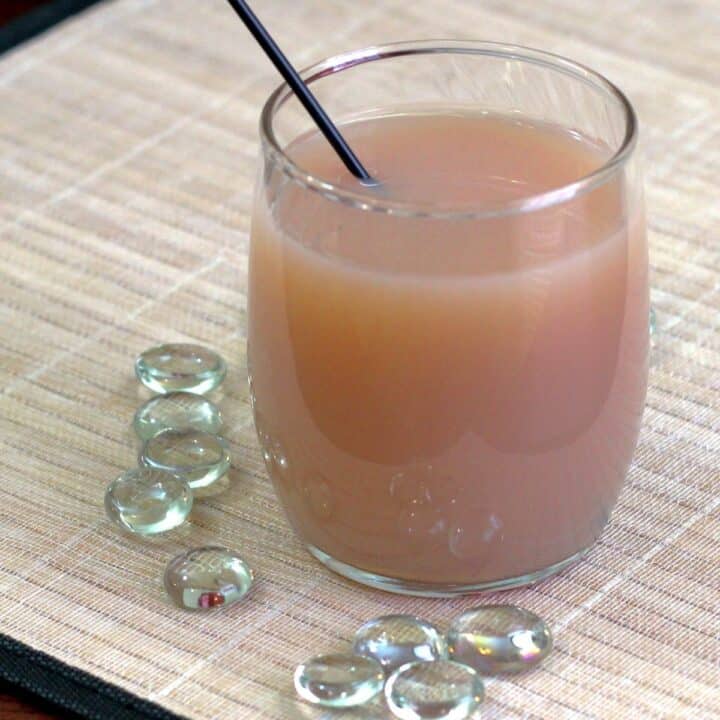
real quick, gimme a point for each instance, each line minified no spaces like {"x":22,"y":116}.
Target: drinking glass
{"x":448,"y":396}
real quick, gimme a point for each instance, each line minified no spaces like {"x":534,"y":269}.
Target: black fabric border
{"x":71,"y":688}
{"x":38,"y":20}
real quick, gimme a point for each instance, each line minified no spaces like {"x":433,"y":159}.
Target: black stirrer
{"x":301,"y":90}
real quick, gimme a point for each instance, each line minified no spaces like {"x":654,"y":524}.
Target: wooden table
{"x":15,"y":705}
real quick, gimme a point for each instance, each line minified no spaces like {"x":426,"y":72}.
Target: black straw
{"x":308,"y":100}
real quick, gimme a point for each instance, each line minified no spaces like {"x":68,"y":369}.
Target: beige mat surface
{"x":127,"y":156}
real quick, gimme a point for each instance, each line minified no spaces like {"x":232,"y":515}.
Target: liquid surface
{"x":456,"y":161}
{"x":456,"y":400}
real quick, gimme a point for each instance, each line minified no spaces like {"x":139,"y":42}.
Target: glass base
{"x":429,"y":589}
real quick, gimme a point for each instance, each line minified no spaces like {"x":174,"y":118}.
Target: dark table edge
{"x":72,"y":688}
{"x":38,"y":20}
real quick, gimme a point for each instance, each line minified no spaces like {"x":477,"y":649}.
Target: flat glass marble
{"x":207,"y":578}
{"x":441,"y":690}
{"x":147,"y":501}
{"x":176,"y":411}
{"x":180,"y":367}
{"x":498,"y":639}
{"x":339,"y":680}
{"x":198,"y":457}
{"x":395,"y":640}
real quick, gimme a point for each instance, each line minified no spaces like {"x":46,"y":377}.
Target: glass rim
{"x":366,"y":198}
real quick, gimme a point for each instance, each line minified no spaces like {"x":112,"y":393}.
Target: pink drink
{"x":451,"y":396}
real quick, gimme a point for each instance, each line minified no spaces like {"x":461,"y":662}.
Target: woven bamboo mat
{"x":127,"y":156}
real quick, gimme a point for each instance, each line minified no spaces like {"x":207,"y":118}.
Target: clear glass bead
{"x":395,"y":640}
{"x":339,"y":680}
{"x":180,"y":367}
{"x":198,"y":457}
{"x":207,"y":578}
{"x":147,"y":501}
{"x":497,"y":639}
{"x":176,"y":411}
{"x":441,"y":690}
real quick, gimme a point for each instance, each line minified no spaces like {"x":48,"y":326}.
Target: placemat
{"x":128,"y":150}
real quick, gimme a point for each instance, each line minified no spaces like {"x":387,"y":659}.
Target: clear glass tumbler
{"x":448,"y":395}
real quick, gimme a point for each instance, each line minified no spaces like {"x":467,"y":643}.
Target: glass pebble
{"x":177,"y":411}
{"x":653,"y":321}
{"x":441,"y":690}
{"x":207,"y":578}
{"x":497,"y":639}
{"x":339,"y":680}
{"x":180,"y":367}
{"x":218,"y":487}
{"x":147,"y":501}
{"x":395,"y":640}
{"x":199,"y":457}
